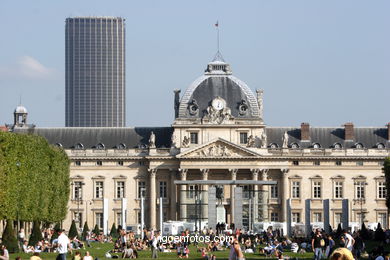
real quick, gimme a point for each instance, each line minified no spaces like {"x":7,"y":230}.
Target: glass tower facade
{"x":95,"y":72}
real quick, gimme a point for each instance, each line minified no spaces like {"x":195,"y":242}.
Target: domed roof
{"x":20,"y":109}
{"x":218,"y":82}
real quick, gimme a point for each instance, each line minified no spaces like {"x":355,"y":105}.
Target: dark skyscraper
{"x":95,"y":71}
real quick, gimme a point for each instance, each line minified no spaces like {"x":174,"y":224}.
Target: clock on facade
{"x":218,"y":103}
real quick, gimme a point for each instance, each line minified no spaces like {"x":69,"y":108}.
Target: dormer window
{"x":295,"y":146}
{"x":359,"y":146}
{"x":79,"y":146}
{"x":380,"y":146}
{"x":100,"y":146}
{"x":121,"y":146}
{"x":316,"y":146}
{"x":337,"y":146}
{"x":59,"y":145}
{"x":274,"y":146}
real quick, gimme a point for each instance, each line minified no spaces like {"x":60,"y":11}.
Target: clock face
{"x":218,"y":104}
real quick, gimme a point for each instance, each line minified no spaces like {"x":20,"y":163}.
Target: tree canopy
{"x":34,"y":179}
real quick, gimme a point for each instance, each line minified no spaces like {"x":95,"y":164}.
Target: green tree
{"x":36,"y":234}
{"x":55,"y":234}
{"x":73,"y":230}
{"x":96,"y":230}
{"x":85,"y":231}
{"x":114,"y":231}
{"x":9,"y":238}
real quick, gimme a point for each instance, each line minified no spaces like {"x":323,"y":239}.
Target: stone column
{"x":152,"y":201}
{"x":172,"y":199}
{"x":183,"y":207}
{"x":255,"y":202}
{"x":285,"y":194}
{"x":233,"y":173}
{"x":264,"y":196}
{"x":204,"y":195}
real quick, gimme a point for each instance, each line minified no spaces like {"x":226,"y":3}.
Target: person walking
{"x":235,"y":251}
{"x":358,"y":246}
{"x":317,"y":242}
{"x":63,"y":245}
{"x":154,"y":247}
{"x":349,"y":241}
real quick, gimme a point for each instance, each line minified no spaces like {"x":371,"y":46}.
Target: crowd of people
{"x":269,"y":243}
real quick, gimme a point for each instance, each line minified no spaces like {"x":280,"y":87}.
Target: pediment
{"x":218,"y":148}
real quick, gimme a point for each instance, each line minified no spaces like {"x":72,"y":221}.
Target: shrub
{"x":85,"y":231}
{"x":73,"y":230}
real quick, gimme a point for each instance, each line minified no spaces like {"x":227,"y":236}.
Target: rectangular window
{"x":274,"y":191}
{"x":296,"y":189}
{"x":359,"y":163}
{"x":382,"y":218}
{"x":360,"y":217}
{"x":163,"y":189}
{"x":243,"y":138}
{"x":338,"y":163}
{"x":246,"y":191}
{"x":99,"y":220}
{"x":295,"y":162}
{"x":382,"y":192}
{"x":360,"y":189}
{"x":78,"y":190}
{"x":317,"y":189}
{"x":337,"y":219}
{"x":274,"y":216}
{"x":317,"y":217}
{"x":296,"y":217}
{"x":119,"y":219}
{"x":78,"y":218}
{"x":78,"y":163}
{"x":99,"y":190}
{"x":120,"y":189}
{"x":141,"y":189}
{"x":99,"y":163}
{"x":338,"y":189}
{"x":120,"y":163}
{"x":317,"y":163}
{"x":194,"y":138}
{"x":192,"y":190}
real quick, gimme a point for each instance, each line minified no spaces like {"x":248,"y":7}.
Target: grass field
{"x":98,"y":250}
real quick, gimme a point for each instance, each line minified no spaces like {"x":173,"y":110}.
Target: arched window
{"x":274,"y":146}
{"x":316,"y":146}
{"x":59,"y":145}
{"x":100,"y":146}
{"x":380,"y":146}
{"x":79,"y":146}
{"x":337,"y":146}
{"x":295,"y":146}
{"x":121,"y":146}
{"x":359,"y":146}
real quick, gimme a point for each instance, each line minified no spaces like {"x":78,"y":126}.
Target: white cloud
{"x":27,"y":67}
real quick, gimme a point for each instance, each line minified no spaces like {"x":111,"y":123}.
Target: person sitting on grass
{"x":77,"y":256}
{"x":87,"y":256}
{"x":4,"y":255}
{"x":35,"y":256}
{"x":127,"y":252}
{"x":341,"y":253}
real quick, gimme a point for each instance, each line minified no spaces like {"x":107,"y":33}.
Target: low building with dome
{"x":219,"y":135}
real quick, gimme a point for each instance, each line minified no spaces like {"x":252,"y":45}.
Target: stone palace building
{"x":219,"y":134}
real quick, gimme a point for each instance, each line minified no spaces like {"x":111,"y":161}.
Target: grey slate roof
{"x":328,"y":136}
{"x":68,"y":137}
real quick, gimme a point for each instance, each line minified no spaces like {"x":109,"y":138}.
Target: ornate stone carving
{"x":251,"y":141}
{"x":183,"y":174}
{"x":216,"y":150}
{"x":173,"y":140}
{"x":193,"y":108}
{"x":284,"y":172}
{"x":233,"y":173}
{"x":214,"y":116}
{"x":285,"y":140}
{"x":205,"y":174}
{"x":243,"y":108}
{"x":263,"y":138}
{"x":255,"y":174}
{"x":260,"y":101}
{"x":152,"y":172}
{"x":186,"y":142}
{"x":264,"y":174}
{"x":152,"y":140}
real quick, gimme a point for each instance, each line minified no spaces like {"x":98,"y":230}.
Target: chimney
{"x":305,"y":132}
{"x":349,"y":134}
{"x":177,"y":102}
{"x":388,"y":131}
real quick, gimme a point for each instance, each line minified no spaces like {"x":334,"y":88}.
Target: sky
{"x":321,"y":62}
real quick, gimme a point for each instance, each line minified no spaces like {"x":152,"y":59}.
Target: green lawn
{"x":98,"y":250}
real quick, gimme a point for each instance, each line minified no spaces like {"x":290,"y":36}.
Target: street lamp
{"x":77,"y":185}
{"x":86,"y":209}
{"x":142,"y":212}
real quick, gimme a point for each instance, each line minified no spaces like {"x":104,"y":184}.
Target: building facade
{"x":95,"y":72}
{"x":219,"y":134}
